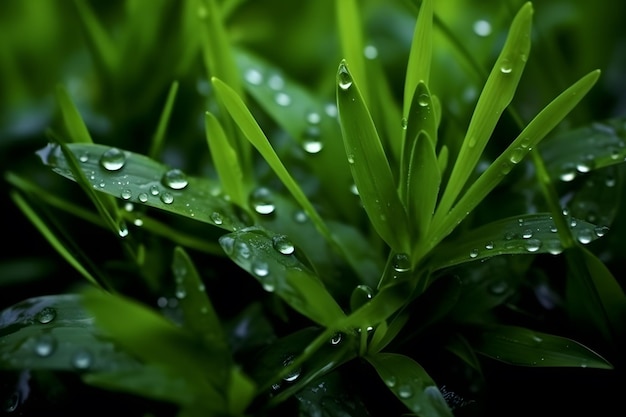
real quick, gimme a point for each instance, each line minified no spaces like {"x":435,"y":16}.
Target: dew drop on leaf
{"x":506,"y":67}
{"x":253,"y":76}
{"x":283,"y":245}
{"x":113,"y":159}
{"x":300,"y":216}
{"x":276,"y":82}
{"x":527,"y":234}
{"x":175,"y":179}
{"x":294,"y":374}
{"x":423,"y":100}
{"x":489,"y":245}
{"x":262,"y":201}
{"x":46,"y":315}
{"x":516,"y":155}
{"x":167,"y":198}
{"x":404,"y":123}
{"x":336,"y":338}
{"x":344,"y":79}
{"x":405,"y":391}
{"x":313,"y":118}
{"x":154,"y":190}
{"x":282,"y":99}
{"x":216,"y":218}
{"x":126,"y":194}
{"x":260,"y":269}
{"x":84,"y":157}
{"x":482,"y":28}
{"x":83,"y":359}
{"x":533,"y":245}
{"x":473,"y":253}
{"x":142,"y":197}
{"x":228,"y":244}
{"x":584,"y":236}
{"x":45,"y":345}
{"x":370,"y":52}
{"x":601,"y":231}
{"x":401,"y":262}
{"x":498,"y":287}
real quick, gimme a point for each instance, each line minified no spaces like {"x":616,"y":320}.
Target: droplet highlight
{"x":113,"y":159}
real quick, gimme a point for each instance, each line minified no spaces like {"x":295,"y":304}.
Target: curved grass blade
{"x":352,"y":46}
{"x":528,"y":234}
{"x":158,"y":342}
{"x":72,"y":120}
{"x":226,"y":161}
{"x":273,"y":261}
{"x":159,"y":135}
{"x":495,"y":97}
{"x":100,"y":43}
{"x":576,"y":152}
{"x":369,"y":165}
{"x":308,"y":121}
{"x":530,"y":137}
{"x":521,"y":346}
{"x":411,"y":384}
{"x":138,"y":179}
{"x":55,"y":332}
{"x":420,"y":58}
{"x":422,"y":114}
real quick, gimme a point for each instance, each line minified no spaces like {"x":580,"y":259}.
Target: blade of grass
{"x":420,"y":56}
{"x":159,"y":135}
{"x":100,"y":44}
{"x":73,"y":122}
{"x":495,"y":97}
{"x":369,"y":165}
{"x":352,"y":46}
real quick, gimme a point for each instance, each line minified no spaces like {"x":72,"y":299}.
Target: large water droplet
{"x":83,"y":359}
{"x":113,"y":159}
{"x":45,"y":345}
{"x":423,"y":100}
{"x":527,"y":234}
{"x":175,"y":179}
{"x":228,"y":244}
{"x":533,"y":245}
{"x":294,"y":374}
{"x":517,"y":154}
{"x":84,"y":157}
{"x":473,"y":253}
{"x":260,"y":269}
{"x":405,"y":391}
{"x":154,"y":190}
{"x":505,"y":66}
{"x":584,"y":236}
{"x":167,"y":198}
{"x":283,"y":245}
{"x":311,"y":142}
{"x":253,"y":76}
{"x":482,"y":28}
{"x":401,"y":262}
{"x":143,"y":197}
{"x":46,"y":315}
{"x":344,"y":79}
{"x":601,"y":231}
{"x":262,"y":202}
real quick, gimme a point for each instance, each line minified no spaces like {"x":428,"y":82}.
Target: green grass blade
{"x":369,"y":165}
{"x":252,"y":131}
{"x":524,"y":347}
{"x":74,"y":124}
{"x":420,"y":56}
{"x":50,"y":236}
{"x":226,"y":161}
{"x":495,"y":97}
{"x":411,"y":384}
{"x":138,"y":179}
{"x":530,"y":137}
{"x":352,"y":45}
{"x":529,"y":234}
{"x":422,"y":114}
{"x":159,"y":136}
{"x":100,"y":44}
{"x":273,"y":261}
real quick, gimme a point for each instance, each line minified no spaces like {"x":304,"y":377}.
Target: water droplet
{"x":228,"y":244}
{"x":471,"y":142}
{"x":243,"y":250}
{"x":583,"y":167}
{"x":401,"y":262}
{"x":122,"y":230}
{"x":506,"y":67}
{"x":113,"y":159}
{"x":584,"y":236}
{"x":83,"y":359}
{"x":294,"y":374}
{"x":391,"y":381}
{"x":126,"y":194}
{"x":525,"y":143}
{"x":370,"y":52}
{"x":350,"y":158}
{"x":423,"y":100}
{"x":610,"y":181}
{"x":473,"y":253}
{"x":482,"y":28}
{"x":142,"y":197}
{"x":300,"y":216}
{"x":175,"y":179}
{"x":533,"y":245}
{"x":331,"y":109}
{"x":404,"y":123}
{"x":568,"y":172}
{"x":260,"y":269}
{"x":601,"y":230}
{"x":527,"y":234}
{"x":154,"y":190}
{"x":405,"y":391}
{"x":354,"y":190}
{"x":283,"y":245}
{"x":282,"y":99}
{"x":344,"y":79}
{"x":509,"y":235}
{"x":46,"y":315}
{"x":311,"y":142}
{"x":253,"y":76}
{"x":181,"y":292}
{"x":12,"y":402}
{"x":45,"y":345}
{"x":505,"y":168}
{"x":262,"y":201}
{"x":276,"y":82}
{"x":167,"y":198}
{"x":216,"y":218}
{"x":313,"y":118}
{"x":84,"y":157}
{"x":336,"y":338}
{"x":498,"y":287}
{"x":489,"y":245}
{"x":517,"y":154}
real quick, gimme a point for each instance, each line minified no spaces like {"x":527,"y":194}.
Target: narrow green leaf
{"x":100,"y":44}
{"x":72,"y":119}
{"x":240,"y":393}
{"x":528,"y":234}
{"x":369,"y":165}
{"x":352,"y":45}
{"x":200,"y":317}
{"x":423,"y":183}
{"x":51,"y":237}
{"x":422,"y":114}
{"x":273,"y":260}
{"x":520,"y":346}
{"x":411,"y":384}
{"x":495,"y":97}
{"x":533,"y":133}
{"x":420,"y":57}
{"x":159,"y":134}
{"x":226,"y":161}
{"x":55,"y":332}
{"x":138,"y":179}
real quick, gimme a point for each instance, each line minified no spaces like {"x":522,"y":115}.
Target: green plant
{"x":410,"y":266}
